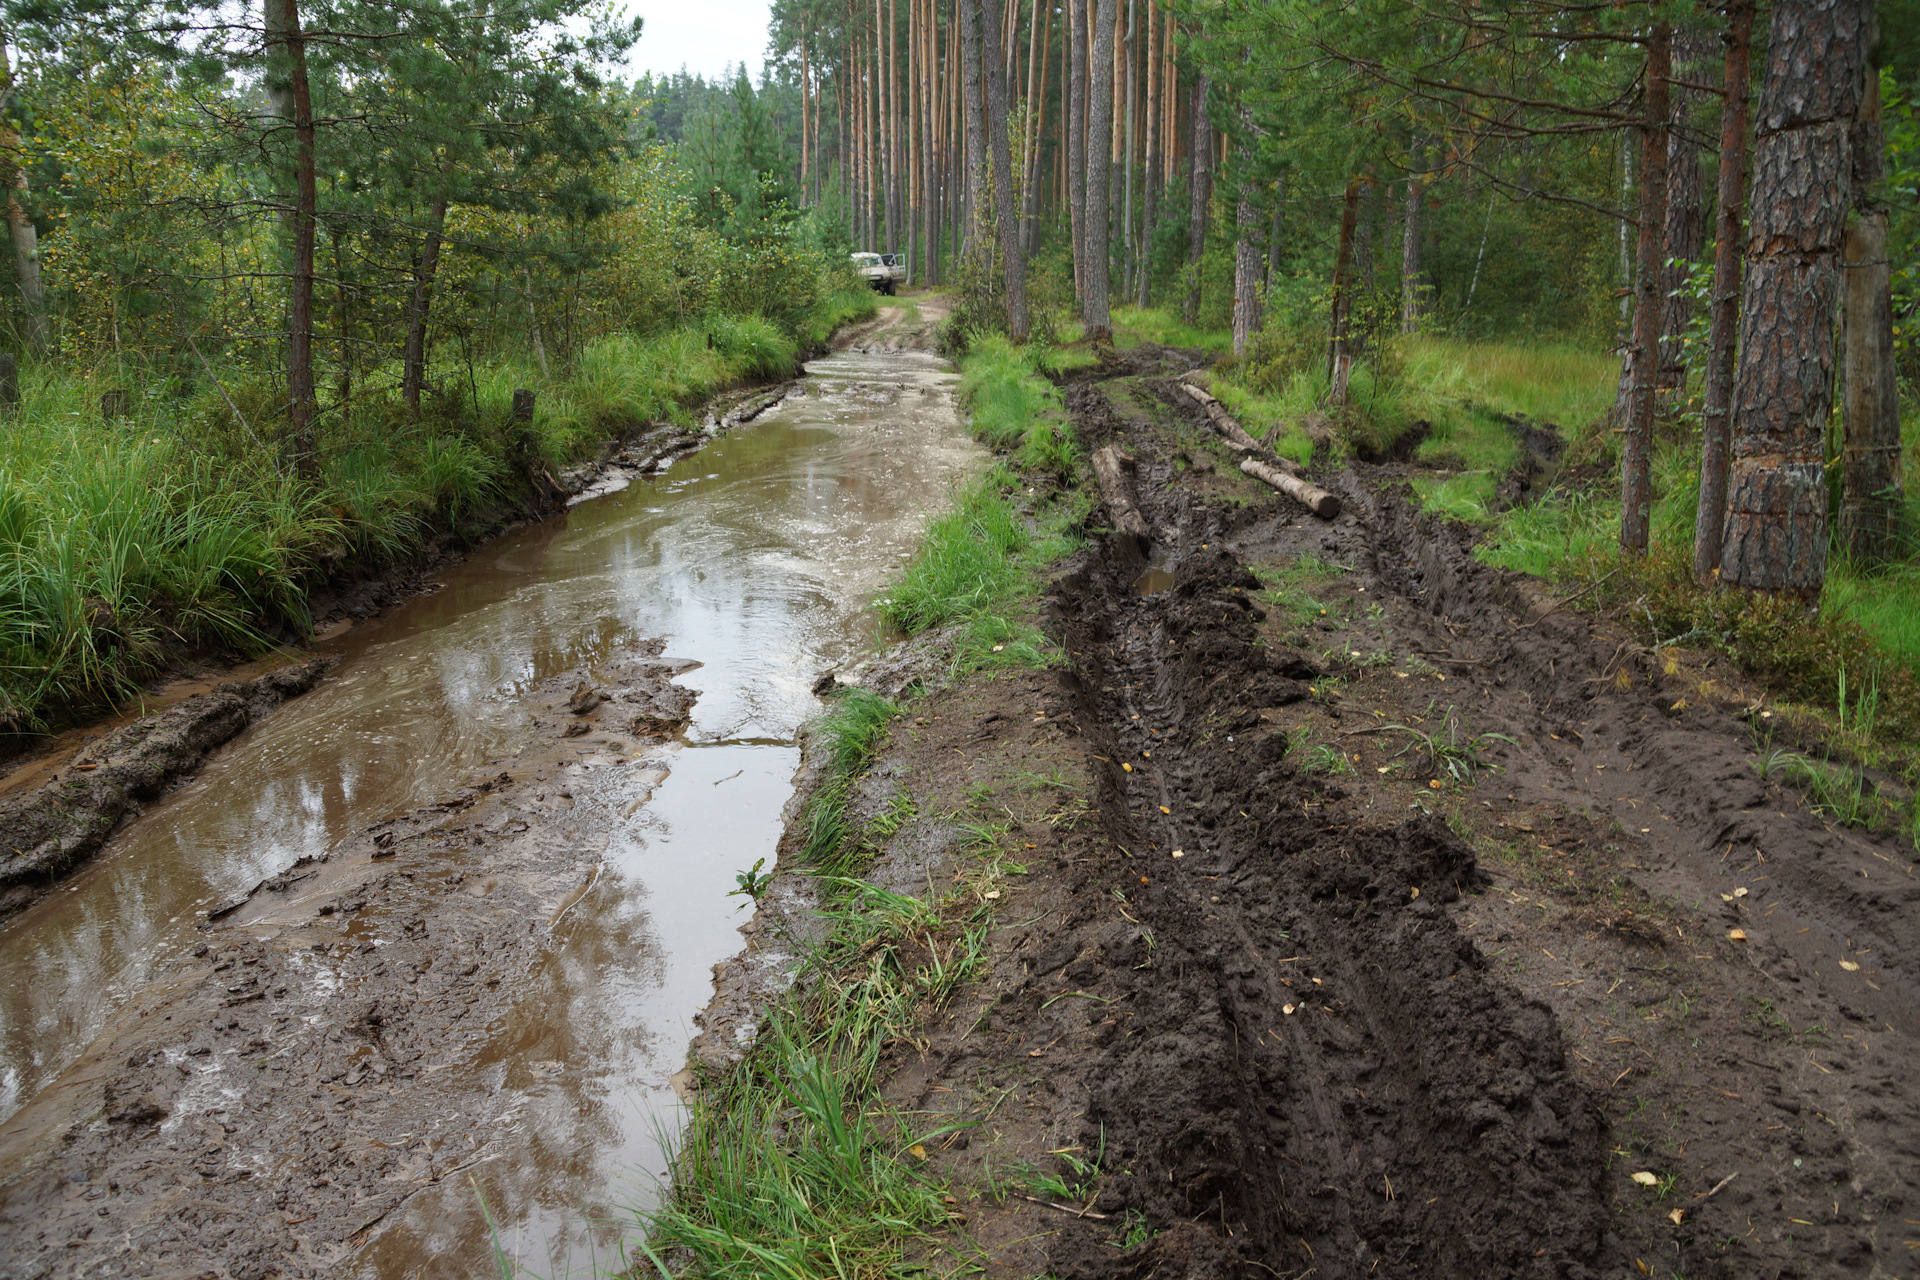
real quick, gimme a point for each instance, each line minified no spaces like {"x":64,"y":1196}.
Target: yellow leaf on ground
{"x":1286,"y":1009}
{"x":1737,"y":935}
{"x":1850,"y":966}
{"x":1741,"y":892}
{"x":1675,"y":1217}
{"x":1416,"y":891}
{"x":1127,"y":767}
{"x":1164,"y":809}
{"x":917,"y":1151}
{"x":1179,"y":853}
{"x":1646,"y":1179}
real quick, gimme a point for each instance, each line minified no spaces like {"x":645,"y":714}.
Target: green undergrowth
{"x":178,"y":526}
{"x":980,"y":565}
{"x":791,"y":1165}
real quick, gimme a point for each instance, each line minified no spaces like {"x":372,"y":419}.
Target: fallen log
{"x":1282,"y":473}
{"x":1309,"y":495}
{"x":1111,"y":468}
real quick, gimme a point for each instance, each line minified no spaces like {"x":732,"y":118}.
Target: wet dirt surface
{"x":466,"y":895}
{"x":1292,"y":985}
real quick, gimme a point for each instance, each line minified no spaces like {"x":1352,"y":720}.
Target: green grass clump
{"x":1133,"y":326}
{"x":850,"y":732}
{"x":1014,"y":408}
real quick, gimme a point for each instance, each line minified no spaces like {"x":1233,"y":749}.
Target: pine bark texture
{"x":1412,"y":271}
{"x":1246,"y":270}
{"x":977,"y":245}
{"x":1201,"y":189}
{"x":1636,"y":452}
{"x":1077,"y":141}
{"x":1776,"y":531}
{"x":1685,"y":229}
{"x":1013,"y":264}
{"x":1095,"y":310}
{"x":1711,"y":514}
{"x":1872,"y":495}
{"x":26,"y":239}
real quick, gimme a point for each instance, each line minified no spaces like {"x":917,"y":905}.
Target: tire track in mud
{"x":1318,"y":1073}
{"x":1823,"y":892}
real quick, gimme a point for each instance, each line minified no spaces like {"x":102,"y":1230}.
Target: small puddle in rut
{"x":755,"y":557}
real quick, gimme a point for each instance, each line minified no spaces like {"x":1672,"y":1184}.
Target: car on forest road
{"x":884,"y":271}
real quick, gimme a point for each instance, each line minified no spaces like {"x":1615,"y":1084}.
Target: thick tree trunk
{"x":1077,"y":142}
{"x":1013,"y":263}
{"x":1339,"y":358}
{"x":1130,"y":251}
{"x":1776,"y":537}
{"x":1412,"y":277}
{"x":413,"y":365}
{"x":1711,"y":515}
{"x":288,"y":94}
{"x":1246,"y":270}
{"x":1684,"y":229}
{"x":1636,"y":452}
{"x":1873,"y":498}
{"x":1201,"y":189}
{"x":1099,"y":172}
{"x":1151,"y":168}
{"x":977,"y":243}
{"x":26,"y":240}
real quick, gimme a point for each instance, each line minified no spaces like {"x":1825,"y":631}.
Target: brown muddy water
{"x":755,"y":558}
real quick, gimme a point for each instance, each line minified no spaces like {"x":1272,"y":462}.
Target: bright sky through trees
{"x":704,"y":36}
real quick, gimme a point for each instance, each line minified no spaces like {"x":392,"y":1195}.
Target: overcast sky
{"x":701,"y":35}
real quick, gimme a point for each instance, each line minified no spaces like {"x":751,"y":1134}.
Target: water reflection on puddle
{"x":755,"y":557}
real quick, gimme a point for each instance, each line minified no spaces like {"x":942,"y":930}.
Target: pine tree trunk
{"x":26,"y":240}
{"x":1129,"y":59}
{"x":413,"y":371}
{"x":1200,"y":188}
{"x":976,"y":244}
{"x":1684,"y":229}
{"x":1412,"y":271}
{"x":1246,"y":270}
{"x":288,"y":54}
{"x":1013,"y":264}
{"x":1873,"y":497}
{"x":1339,"y":358}
{"x":1636,"y":452}
{"x":1150,"y":187}
{"x":1099,"y":172}
{"x":1776,"y":536}
{"x":1077,"y":142}
{"x":1037,"y":114}
{"x":1710,"y":518}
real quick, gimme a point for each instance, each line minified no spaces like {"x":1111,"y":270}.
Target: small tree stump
{"x":116,"y":403}
{"x":522,"y":405}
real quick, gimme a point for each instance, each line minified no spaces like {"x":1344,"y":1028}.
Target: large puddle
{"x":755,"y":557}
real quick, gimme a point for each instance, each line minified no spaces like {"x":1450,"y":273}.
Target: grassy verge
{"x":174,"y":527}
{"x":790,"y":1165}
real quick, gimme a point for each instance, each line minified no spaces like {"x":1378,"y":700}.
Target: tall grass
{"x":177,"y":527}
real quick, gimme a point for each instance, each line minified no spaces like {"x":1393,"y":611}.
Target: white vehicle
{"x":886,"y":272}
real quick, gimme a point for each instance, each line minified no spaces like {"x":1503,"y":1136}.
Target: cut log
{"x":1223,"y":422}
{"x":1111,"y":468}
{"x":1310,"y":496}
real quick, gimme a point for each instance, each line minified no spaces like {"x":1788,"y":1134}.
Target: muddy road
{"x":1376,"y":913}
{"x":424,"y":948}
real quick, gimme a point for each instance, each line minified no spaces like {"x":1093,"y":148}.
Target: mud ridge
{"x":51,"y":829}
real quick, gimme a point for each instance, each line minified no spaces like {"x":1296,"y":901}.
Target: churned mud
{"x":296,"y":1078}
{"x":1378,"y":913}
{"x":47,"y":829}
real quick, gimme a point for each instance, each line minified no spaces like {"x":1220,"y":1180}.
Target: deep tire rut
{"x":1319,"y":1071}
